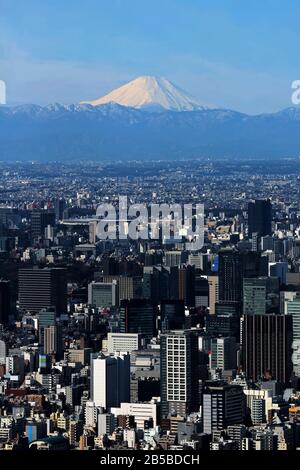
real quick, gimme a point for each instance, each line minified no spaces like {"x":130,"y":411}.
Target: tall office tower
{"x":279,"y":270}
{"x":2,"y":352}
{"x":156,"y":283}
{"x":255,"y":242}
{"x":230,"y":309}
{"x":153,"y":257}
{"x":213,"y":293}
{"x":172,"y":315}
{"x":293,"y":309}
{"x":138,"y":316}
{"x":43,"y":288}
{"x":201,"y":291}
{"x":223,"y":405}
{"x":53,"y":341}
{"x":229,"y":275}
{"x":173,"y":258}
{"x":10,"y":216}
{"x":260,"y":218}
{"x":160,"y":282}
{"x":200,"y":261}
{"x":267,"y":243}
{"x":223,"y":325}
{"x":103,"y":294}
{"x":110,"y":380}
{"x":223,"y":353}
{"x":59,"y":207}
{"x":129,"y":286}
{"x":196,"y":260}
{"x":285,"y":297}
{"x":267,"y":346}
{"x":186,"y":284}
{"x":293,"y":279}
{"x":40,"y":219}
{"x":46,"y":317}
{"x":253,"y":264}
{"x":233,"y":268}
{"x":179,"y":373}
{"x":5,"y":301}
{"x":279,"y":246}
{"x":254,"y":296}
{"x":93,"y":231}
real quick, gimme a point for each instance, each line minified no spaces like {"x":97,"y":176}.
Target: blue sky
{"x":230,"y":53}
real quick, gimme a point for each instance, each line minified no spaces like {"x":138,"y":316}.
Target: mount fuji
{"x":151,"y":93}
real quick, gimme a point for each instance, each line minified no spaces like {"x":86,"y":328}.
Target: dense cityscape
{"x":145,"y":344}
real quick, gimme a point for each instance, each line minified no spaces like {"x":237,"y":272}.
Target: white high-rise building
{"x":293,"y":309}
{"x":179,"y":373}
{"x":122,"y":342}
{"x":110,"y":380}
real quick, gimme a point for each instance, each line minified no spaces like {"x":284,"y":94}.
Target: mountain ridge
{"x":112,"y":131}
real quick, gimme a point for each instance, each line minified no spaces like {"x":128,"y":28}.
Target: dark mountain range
{"x":112,"y":131}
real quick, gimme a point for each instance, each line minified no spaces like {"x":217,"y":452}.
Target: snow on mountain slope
{"x":152,"y":93}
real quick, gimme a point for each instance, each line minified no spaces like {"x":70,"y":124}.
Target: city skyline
{"x":149,"y":232}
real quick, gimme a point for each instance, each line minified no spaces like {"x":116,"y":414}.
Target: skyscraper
{"x":223,"y":405}
{"x":110,"y":380}
{"x":2,"y":352}
{"x":43,"y":288}
{"x":172,"y":315}
{"x":103,"y":294}
{"x":5,"y":301}
{"x":293,"y":309}
{"x":223,"y":353}
{"x":186,"y":284}
{"x":59,"y":206}
{"x":260,"y":218}
{"x":229,"y":275}
{"x":234,"y":266}
{"x":40,"y":219}
{"x":213,"y":293}
{"x":223,"y":325}
{"x":128,"y":286}
{"x":160,"y":282}
{"x":267,"y":346}
{"x":46,"y":317}
{"x":53,"y":342}
{"x":254,"y":296}
{"x":180,"y":373}
{"x":138,"y":316}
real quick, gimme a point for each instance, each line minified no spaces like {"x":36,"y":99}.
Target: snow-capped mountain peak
{"x":154,"y":93}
